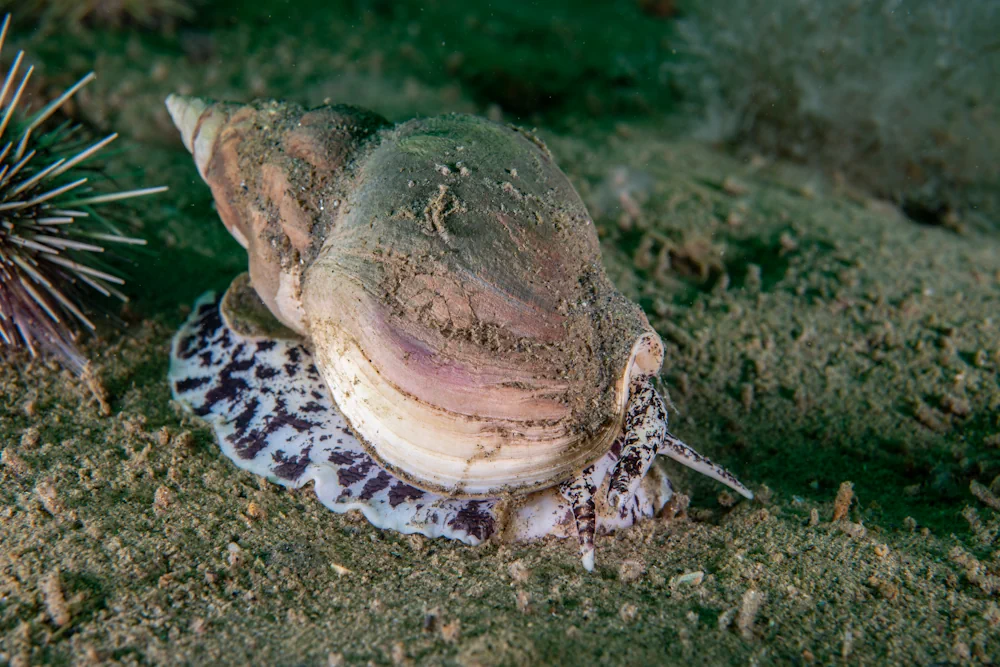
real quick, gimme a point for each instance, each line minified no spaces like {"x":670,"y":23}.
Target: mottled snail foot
{"x":645,"y":437}
{"x":257,"y":386}
{"x":579,"y":492}
{"x":273,"y":416}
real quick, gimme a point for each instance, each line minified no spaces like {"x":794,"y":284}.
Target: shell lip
{"x":460,"y":490}
{"x":424,"y":485}
{"x":243,"y":311}
{"x":645,"y":360}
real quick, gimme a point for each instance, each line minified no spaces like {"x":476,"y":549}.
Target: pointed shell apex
{"x":199,"y":122}
{"x":185,"y":112}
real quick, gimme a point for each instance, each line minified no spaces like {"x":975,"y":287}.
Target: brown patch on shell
{"x":278,"y":173}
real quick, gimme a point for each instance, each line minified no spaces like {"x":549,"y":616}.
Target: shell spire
{"x":256,"y":159}
{"x":198,"y":128}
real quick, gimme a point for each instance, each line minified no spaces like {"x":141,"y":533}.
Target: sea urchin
{"x":51,"y":236}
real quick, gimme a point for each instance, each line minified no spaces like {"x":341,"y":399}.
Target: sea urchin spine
{"x":50,"y":235}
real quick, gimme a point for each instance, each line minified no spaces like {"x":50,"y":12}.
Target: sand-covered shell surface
{"x":426,"y":330}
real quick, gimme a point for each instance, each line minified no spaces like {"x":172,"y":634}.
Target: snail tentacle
{"x":645,"y":436}
{"x":674,"y":448}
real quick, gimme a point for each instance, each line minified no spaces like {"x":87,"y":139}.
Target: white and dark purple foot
{"x":645,"y":436}
{"x":272,"y":415}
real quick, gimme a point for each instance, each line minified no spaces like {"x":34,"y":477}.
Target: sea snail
{"x":426,"y":332}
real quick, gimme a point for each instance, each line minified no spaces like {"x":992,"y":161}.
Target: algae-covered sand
{"x":815,"y":336}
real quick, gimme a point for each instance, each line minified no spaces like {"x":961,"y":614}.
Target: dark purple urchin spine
{"x":51,"y":236}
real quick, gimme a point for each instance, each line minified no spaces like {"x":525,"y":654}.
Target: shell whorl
{"x":462,"y":318}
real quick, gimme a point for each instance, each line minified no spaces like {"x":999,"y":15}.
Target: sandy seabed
{"x":815,"y":337}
